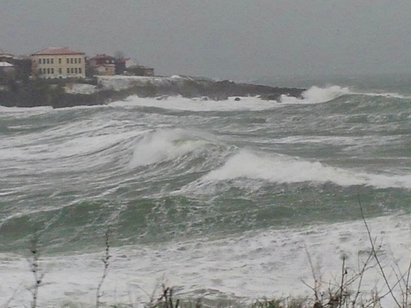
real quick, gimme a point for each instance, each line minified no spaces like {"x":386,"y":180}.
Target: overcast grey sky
{"x":221,"y":38}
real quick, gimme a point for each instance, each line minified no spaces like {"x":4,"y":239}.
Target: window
{"x":51,"y":61}
{"x":52,"y":70}
{"x":71,"y":60}
{"x":48,"y":71}
{"x":75,"y":70}
{"x":75,"y":60}
{"x":67,"y":61}
{"x":60,"y":70}
{"x":40,"y":61}
{"x":72,"y":70}
{"x":68,"y":70}
{"x":79,"y":60}
{"x":79,"y":70}
{"x":40,"y":71}
{"x":59,"y":60}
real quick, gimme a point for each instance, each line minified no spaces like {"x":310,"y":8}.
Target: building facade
{"x":7,"y":71}
{"x":122,"y":64}
{"x":21,"y":66}
{"x":59,"y":62}
{"x":6,"y":57}
{"x":140,"y":70}
{"x":103,"y":65}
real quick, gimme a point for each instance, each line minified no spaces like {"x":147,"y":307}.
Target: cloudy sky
{"x":221,"y":38}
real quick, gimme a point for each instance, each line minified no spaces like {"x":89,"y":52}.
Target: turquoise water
{"x":155,"y":172}
{"x":151,"y":173}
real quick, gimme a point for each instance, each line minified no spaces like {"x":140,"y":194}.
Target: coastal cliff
{"x":64,"y":93}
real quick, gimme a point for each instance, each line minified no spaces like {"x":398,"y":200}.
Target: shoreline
{"x":106,"y":89}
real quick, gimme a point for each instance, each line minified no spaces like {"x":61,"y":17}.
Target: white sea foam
{"x":123,"y":82}
{"x":32,"y":110}
{"x":284,"y":169}
{"x":44,"y":149}
{"x":386,"y":95}
{"x":163,"y":145}
{"x":263,"y":264}
{"x":270,"y":263}
{"x":199,"y":104}
{"x":21,"y":112}
{"x":80,"y":88}
{"x":316,"y":95}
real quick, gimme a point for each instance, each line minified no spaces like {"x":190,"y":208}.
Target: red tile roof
{"x":103,"y":56}
{"x":57,"y":51}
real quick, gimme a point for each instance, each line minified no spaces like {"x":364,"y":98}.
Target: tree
{"x":119,"y":54}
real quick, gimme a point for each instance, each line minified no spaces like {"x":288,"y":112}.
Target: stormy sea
{"x":233,"y":199}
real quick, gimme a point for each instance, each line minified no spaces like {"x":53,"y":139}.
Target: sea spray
{"x":316,"y":95}
{"x":215,"y":197}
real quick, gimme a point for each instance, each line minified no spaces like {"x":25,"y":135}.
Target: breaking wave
{"x":315,"y":95}
{"x":163,"y":145}
{"x":284,"y":169}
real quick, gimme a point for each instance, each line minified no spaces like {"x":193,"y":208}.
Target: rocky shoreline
{"x":103,"y":90}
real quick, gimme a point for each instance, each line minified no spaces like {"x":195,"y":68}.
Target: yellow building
{"x":59,"y":62}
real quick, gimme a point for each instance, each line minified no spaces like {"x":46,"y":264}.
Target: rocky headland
{"x":106,"y":89}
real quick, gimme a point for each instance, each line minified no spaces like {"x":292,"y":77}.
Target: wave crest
{"x":163,"y":145}
{"x":315,"y":95}
{"x":283,"y":169}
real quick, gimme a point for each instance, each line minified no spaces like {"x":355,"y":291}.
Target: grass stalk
{"x":35,"y":268}
{"x":374,"y":253}
{"x":106,"y":262}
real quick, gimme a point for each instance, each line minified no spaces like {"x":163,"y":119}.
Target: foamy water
{"x":218,"y":198}
{"x":288,"y":170}
{"x":164,"y":145}
{"x":180,"y":103}
{"x":315,"y":95}
{"x":268,"y":264}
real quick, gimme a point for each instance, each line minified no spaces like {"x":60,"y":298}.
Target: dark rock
{"x":43,"y":93}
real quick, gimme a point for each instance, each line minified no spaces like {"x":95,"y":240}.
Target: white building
{"x":59,"y":62}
